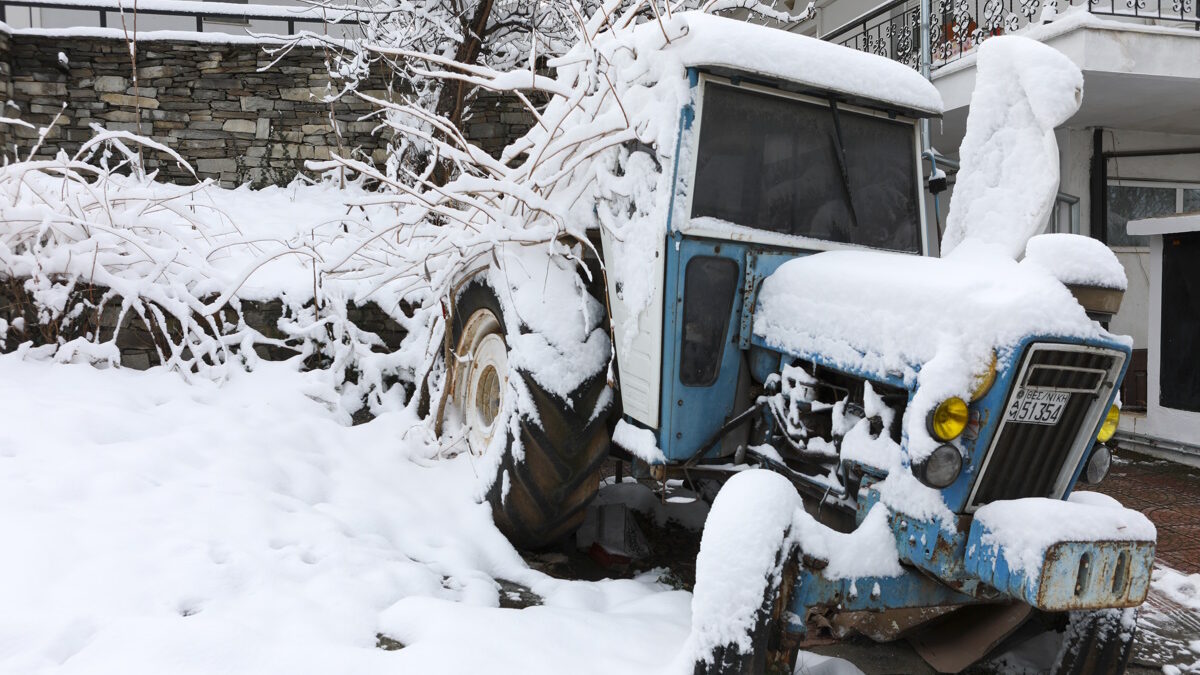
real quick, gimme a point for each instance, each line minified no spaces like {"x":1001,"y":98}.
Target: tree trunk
{"x":453,"y":97}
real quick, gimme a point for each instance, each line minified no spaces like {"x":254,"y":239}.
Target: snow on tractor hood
{"x":717,"y":42}
{"x":893,"y":313}
{"x":932,"y":322}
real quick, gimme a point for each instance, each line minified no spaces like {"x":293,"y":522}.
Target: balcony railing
{"x":958,"y":26}
{"x":196,"y":10}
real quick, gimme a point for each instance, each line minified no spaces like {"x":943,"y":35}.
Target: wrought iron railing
{"x":194,"y":9}
{"x":958,"y":26}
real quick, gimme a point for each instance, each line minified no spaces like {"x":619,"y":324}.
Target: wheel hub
{"x":481,"y":377}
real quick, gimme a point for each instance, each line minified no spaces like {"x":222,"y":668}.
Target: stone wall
{"x":139,"y":344}
{"x":223,"y":106}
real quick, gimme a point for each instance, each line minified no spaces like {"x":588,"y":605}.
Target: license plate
{"x":1037,"y":406}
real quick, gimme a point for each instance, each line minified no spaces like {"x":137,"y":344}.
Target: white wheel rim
{"x":481,"y":378}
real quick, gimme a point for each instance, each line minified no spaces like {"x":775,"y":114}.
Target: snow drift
{"x":1008,"y":179}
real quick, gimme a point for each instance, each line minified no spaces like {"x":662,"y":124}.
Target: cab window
{"x":810,"y":169}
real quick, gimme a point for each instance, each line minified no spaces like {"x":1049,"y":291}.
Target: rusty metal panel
{"x":1073,"y":575}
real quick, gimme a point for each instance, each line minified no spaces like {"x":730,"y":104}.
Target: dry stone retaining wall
{"x":223,"y":106}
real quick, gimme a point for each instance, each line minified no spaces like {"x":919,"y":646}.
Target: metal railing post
{"x":926,"y":64}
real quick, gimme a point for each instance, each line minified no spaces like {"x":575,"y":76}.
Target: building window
{"x":1191,"y":200}
{"x":1130,"y":200}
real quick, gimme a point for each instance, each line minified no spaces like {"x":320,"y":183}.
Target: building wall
{"x":1160,"y":422}
{"x":225,"y":106}
{"x":1075,"y":148}
{"x":833,"y":14}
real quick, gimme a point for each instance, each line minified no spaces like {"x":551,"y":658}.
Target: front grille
{"x":1037,"y":460}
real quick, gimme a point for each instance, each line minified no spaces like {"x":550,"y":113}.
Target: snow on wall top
{"x":158,"y":35}
{"x":717,"y":41}
{"x":1009,"y":178}
{"x":932,"y":321}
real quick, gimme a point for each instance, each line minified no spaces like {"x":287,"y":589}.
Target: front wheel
{"x":1097,"y":642}
{"x":553,"y":446}
{"x":744,"y":575}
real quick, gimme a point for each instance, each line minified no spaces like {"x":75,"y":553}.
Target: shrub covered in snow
{"x":91,"y":232}
{"x":182,"y":259}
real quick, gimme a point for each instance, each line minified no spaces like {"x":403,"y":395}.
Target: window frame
{"x":689,"y":148}
{"x":1178,"y":186}
{"x":697,"y":304}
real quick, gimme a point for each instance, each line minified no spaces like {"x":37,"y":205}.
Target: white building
{"x":1132,"y":152}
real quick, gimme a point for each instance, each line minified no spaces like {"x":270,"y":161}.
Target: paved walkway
{"x":1169,"y":494}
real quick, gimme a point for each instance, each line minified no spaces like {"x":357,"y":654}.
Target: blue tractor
{"x":791,"y":319}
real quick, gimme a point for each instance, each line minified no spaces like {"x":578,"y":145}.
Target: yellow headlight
{"x":1110,"y":424}
{"x":984,"y":380}
{"x":949,"y":419}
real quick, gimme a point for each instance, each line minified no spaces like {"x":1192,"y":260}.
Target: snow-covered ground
{"x":152,"y":525}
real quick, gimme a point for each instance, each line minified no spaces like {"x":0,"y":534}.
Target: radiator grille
{"x":1036,"y":460}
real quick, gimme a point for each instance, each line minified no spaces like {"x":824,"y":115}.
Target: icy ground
{"x":156,"y":526}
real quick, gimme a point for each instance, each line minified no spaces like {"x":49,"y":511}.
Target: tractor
{"x":928,"y":418}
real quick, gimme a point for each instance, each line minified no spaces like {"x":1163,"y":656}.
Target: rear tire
{"x":544,"y":482}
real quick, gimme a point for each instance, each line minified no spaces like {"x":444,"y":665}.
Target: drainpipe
{"x":1099,"y":196}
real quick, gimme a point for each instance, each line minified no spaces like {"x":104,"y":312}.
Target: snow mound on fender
{"x":895,"y":314}
{"x":1006,"y":187}
{"x":1076,"y":259}
{"x":746,"y":529}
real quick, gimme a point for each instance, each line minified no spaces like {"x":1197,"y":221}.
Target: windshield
{"x":813,"y":170}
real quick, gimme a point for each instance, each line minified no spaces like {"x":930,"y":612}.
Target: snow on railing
{"x":220,"y":11}
{"x":958,"y":26}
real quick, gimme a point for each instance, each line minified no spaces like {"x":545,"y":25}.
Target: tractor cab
{"x":793,"y":147}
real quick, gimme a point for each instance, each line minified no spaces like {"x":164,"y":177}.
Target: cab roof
{"x":734,"y":47}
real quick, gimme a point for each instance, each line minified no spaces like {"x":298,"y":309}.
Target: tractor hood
{"x":891,"y":314}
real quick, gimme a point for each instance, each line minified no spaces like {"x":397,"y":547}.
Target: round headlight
{"x":1110,"y":424}
{"x":984,"y":380}
{"x":941,"y":468}
{"x":949,"y":419}
{"x":1098,"y":465}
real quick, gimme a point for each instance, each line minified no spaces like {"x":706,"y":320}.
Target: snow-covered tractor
{"x":898,"y":435}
